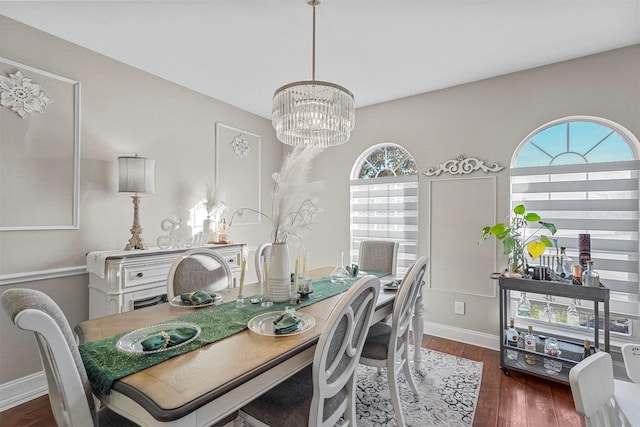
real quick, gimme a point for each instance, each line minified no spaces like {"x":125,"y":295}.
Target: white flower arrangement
{"x":213,"y":203}
{"x":294,"y":206}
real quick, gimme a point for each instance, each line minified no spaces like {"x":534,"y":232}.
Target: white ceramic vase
{"x":279,"y":273}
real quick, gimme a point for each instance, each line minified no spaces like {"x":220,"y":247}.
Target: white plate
{"x":131,"y":342}
{"x":177,"y":301}
{"x":263,"y":324}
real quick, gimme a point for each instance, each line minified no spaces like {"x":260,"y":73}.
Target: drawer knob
{"x":140,"y":274}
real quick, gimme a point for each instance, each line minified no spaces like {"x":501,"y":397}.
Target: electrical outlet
{"x":458,"y":307}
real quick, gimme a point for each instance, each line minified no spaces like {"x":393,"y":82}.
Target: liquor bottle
{"x":511,"y":337}
{"x":590,"y":277}
{"x":530,"y":344}
{"x":584,"y":249}
{"x":588,"y":351}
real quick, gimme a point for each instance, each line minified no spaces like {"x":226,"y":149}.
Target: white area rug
{"x":449,"y":387}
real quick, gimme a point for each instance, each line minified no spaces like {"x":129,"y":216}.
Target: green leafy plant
{"x":515,"y":240}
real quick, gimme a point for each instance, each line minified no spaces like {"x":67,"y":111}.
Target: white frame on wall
{"x":73,"y":223}
{"x":238,"y":167}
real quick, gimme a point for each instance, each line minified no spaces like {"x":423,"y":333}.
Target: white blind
{"x":386,"y":209}
{"x":597,"y":198}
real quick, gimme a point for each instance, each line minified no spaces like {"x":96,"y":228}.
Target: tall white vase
{"x":279,"y":273}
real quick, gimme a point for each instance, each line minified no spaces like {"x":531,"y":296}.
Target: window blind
{"x":596,"y":198}
{"x":386,"y":209}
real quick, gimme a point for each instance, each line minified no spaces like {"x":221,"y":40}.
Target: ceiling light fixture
{"x":312,"y":112}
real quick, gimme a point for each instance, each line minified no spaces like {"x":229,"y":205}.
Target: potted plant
{"x":515,"y":240}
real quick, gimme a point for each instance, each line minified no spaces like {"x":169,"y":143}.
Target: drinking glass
{"x":552,"y":348}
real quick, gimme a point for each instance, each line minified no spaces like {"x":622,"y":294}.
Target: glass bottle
{"x":524,"y":306}
{"x":530,"y":344}
{"x":511,"y":338}
{"x":566,"y":263}
{"x":338,"y":275}
{"x":573,"y":315}
{"x":588,"y":351}
{"x":590,"y":277}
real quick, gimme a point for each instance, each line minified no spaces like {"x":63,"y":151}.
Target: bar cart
{"x":571,"y":349}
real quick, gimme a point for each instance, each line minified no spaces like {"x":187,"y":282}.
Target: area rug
{"x":449,"y":387}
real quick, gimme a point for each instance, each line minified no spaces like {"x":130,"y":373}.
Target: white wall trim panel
{"x":466,"y":336}
{"x":458,"y":210}
{"x":22,"y":390}
{"x":32,"y":276}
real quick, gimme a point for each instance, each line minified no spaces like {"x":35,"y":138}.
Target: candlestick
{"x":266,"y":301}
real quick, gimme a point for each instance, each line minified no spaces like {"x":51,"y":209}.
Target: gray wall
{"x":485,"y":119}
{"x":125,"y":111}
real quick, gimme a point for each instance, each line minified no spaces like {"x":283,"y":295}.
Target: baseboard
{"x":22,"y":390}
{"x":466,"y":336}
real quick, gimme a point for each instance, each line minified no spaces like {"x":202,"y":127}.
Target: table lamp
{"x":136,"y":175}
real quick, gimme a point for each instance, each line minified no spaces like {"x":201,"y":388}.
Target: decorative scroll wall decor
{"x":463,"y":165}
{"x":39,"y":153}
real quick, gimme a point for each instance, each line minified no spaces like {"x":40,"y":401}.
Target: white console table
{"x":121,"y":281}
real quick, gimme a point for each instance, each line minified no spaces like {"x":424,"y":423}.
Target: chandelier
{"x":313,"y":112}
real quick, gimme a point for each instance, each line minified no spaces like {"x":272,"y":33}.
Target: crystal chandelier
{"x":312,"y":112}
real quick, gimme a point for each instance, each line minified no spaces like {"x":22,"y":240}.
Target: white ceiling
{"x":240,"y":51}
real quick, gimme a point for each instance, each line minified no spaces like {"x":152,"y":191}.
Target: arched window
{"x":581,"y":173}
{"x":384,"y":201}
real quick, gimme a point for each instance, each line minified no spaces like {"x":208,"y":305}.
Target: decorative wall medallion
{"x":463,"y":165}
{"x":20,"y":94}
{"x":240,"y":146}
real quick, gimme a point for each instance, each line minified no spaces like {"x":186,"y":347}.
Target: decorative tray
{"x":131,"y":342}
{"x":177,"y":302}
{"x":263,"y":324}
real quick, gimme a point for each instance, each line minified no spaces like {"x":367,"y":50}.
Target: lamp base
{"x":136,"y":241}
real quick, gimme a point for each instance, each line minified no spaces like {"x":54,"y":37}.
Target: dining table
{"x":209,"y":384}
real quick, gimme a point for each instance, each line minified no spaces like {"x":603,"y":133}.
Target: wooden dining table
{"x":210,"y":383}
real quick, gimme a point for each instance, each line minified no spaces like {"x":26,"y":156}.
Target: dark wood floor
{"x":517,"y":400}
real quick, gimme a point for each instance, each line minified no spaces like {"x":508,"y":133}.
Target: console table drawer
{"x":142,"y":274}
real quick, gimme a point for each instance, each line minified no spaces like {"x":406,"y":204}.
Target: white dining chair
{"x":198,"y":269}
{"x":72,"y":402}
{"x":593,"y":389}
{"x":323,"y":393}
{"x":378,"y":255}
{"x":631,"y":356}
{"x":262,"y":254}
{"x":387,"y":345}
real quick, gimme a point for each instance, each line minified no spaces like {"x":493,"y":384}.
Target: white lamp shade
{"x":136,"y":175}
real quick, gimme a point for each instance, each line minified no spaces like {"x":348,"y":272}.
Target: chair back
{"x":198,"y":270}
{"x":404,"y":304}
{"x":378,"y":255}
{"x":69,"y":389}
{"x":337,"y":354}
{"x":631,"y":356}
{"x":262,"y":254}
{"x":593,"y":388}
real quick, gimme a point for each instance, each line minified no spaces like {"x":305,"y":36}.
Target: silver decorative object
{"x":240,"y":146}
{"x":21,"y":95}
{"x":463,"y":165}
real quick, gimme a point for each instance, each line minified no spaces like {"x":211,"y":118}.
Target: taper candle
{"x":295,"y":276}
{"x":242,"y":271}
{"x":266,"y":279}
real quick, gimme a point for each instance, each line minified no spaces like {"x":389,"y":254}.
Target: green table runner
{"x":105,"y":364}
